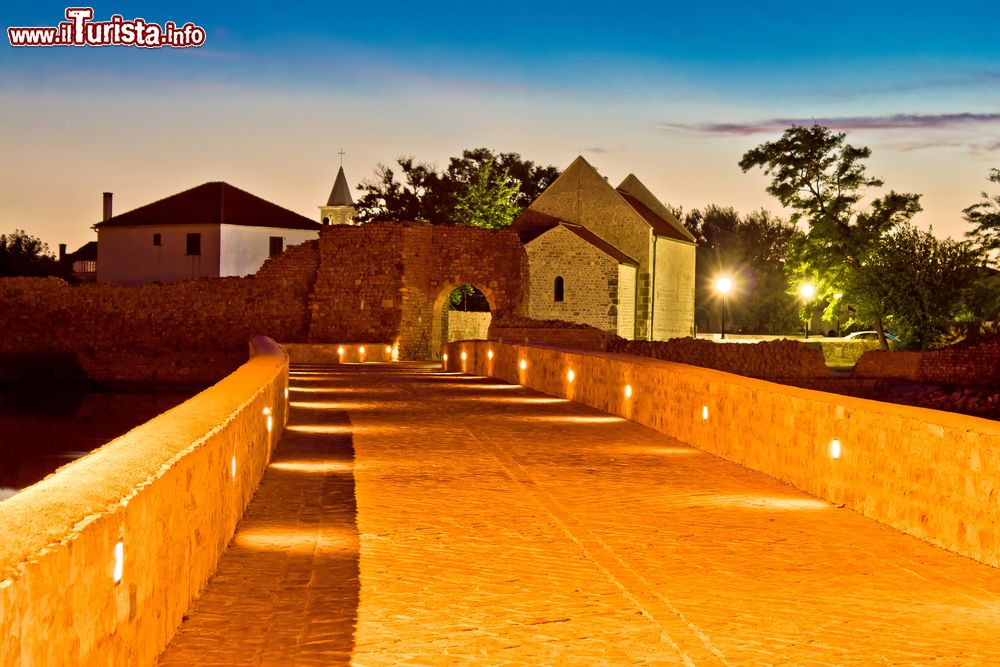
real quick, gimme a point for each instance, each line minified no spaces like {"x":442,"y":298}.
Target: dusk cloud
{"x":888,"y":122}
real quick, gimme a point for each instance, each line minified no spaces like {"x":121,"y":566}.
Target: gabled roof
{"x":594,"y":240}
{"x":214,"y":203}
{"x":531,"y":224}
{"x":663,"y":222}
{"x":341,"y":193}
{"x":581,"y":193}
{"x":85,"y":253}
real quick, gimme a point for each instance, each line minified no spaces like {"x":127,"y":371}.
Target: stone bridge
{"x":535,"y":505}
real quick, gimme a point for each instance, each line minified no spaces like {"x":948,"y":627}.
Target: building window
{"x":557,"y":292}
{"x":326,"y":221}
{"x":276,"y":246}
{"x":157,"y":239}
{"x":193,"y":244}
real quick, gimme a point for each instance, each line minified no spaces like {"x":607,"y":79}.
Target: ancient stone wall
{"x":100,"y":561}
{"x":468,"y":325}
{"x":377,"y":284}
{"x":970,"y":363}
{"x":397,"y":295}
{"x":925,"y":472}
{"x":775,"y":360}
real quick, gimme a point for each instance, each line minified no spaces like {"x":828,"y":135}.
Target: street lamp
{"x":808,"y":292}
{"x":722,"y":286}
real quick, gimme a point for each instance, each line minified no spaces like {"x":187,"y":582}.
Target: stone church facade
{"x":613,"y":258}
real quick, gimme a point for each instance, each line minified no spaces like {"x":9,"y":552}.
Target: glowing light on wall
{"x":704,"y":413}
{"x":489,"y":354}
{"x":286,"y":392}
{"x":628,"y":391}
{"x":232,"y":467}
{"x":464,"y":356}
{"x":523,"y":365}
{"x":361,"y":350}
{"x":340,"y":350}
{"x":570,"y":375}
{"x":270,"y":423}
{"x":388,"y":349}
{"x":445,"y":356}
{"x":835,"y":449}
{"x":119,"y":561}
{"x":267,"y":411}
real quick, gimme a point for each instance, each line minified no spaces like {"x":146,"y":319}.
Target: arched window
{"x":558,"y":290}
{"x":326,"y":221}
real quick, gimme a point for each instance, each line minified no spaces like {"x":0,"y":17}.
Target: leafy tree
{"x":488,"y":200}
{"x":920,"y":280}
{"x":823,"y":179}
{"x":986,"y":217}
{"x":751,"y":250}
{"x":480,"y":187}
{"x":24,"y":255}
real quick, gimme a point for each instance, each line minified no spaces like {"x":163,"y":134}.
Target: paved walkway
{"x":488,"y":524}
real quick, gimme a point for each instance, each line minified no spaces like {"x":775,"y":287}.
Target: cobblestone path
{"x":487,"y":524}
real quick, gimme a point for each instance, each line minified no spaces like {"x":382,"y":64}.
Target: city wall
{"x":928,"y":473}
{"x":100,"y":560}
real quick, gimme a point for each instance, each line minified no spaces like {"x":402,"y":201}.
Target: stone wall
{"x":398,"y":293}
{"x":928,"y":473}
{"x":975,"y":363}
{"x":549,"y":332}
{"x":193,"y":332}
{"x":776,"y":359}
{"x":468,"y":325}
{"x":590,"y":281}
{"x":170,"y":492}
{"x":375,"y":282}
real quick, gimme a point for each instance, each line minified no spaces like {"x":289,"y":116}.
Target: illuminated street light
{"x":723,"y":285}
{"x":807,"y":291}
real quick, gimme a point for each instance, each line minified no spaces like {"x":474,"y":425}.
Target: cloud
{"x":888,"y":122}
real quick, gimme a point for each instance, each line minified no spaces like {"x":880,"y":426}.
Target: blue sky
{"x":671,"y":91}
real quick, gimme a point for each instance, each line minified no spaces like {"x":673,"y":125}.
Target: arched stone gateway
{"x":388,"y":282}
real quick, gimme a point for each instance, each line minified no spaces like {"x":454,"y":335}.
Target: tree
{"x":480,"y":187}
{"x":986,"y":217}
{"x":24,"y":255}
{"x":751,"y":250}
{"x":488,"y":200}
{"x":920,"y":281}
{"x":823,"y":179}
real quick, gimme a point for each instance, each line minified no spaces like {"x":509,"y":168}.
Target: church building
{"x":613,"y":258}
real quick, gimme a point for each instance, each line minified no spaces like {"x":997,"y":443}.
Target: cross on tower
{"x":341,"y":153}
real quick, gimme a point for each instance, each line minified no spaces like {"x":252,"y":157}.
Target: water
{"x":40,"y":433}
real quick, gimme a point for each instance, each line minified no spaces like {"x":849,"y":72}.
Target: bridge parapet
{"x":99,"y":561}
{"x":931,"y":474}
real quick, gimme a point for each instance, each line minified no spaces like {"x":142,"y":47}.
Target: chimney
{"x":107,"y":205}
{"x":62,"y":252}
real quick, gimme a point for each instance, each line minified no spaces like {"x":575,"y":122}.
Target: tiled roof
{"x":587,"y":236}
{"x":531,"y":224}
{"x":214,"y":203}
{"x":661,"y":226}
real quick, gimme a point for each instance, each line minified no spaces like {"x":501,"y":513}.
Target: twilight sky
{"x":670,"y":91}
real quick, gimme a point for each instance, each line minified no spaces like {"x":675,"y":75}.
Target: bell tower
{"x":339,"y":209}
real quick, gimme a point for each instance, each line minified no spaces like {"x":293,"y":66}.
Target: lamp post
{"x":808,"y":292}
{"x":722,"y":286}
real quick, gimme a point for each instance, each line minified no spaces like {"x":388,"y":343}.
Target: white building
{"x":209,"y":231}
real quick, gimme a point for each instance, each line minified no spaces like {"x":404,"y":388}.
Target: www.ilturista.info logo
{"x":81,"y":30}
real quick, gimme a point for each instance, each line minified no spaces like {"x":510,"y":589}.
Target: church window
{"x":157,"y":239}
{"x":558,"y":290}
{"x":326,"y":221}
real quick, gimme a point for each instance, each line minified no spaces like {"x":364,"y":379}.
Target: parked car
{"x":869,"y":335}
